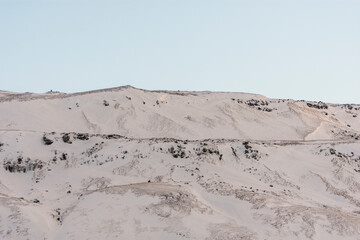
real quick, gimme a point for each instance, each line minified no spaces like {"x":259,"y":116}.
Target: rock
{"x":82,"y":136}
{"x":63,"y":156}
{"x":47,"y":141}
{"x":247,"y":146}
{"x":332,"y":151}
{"x":348,"y":106}
{"x":319,"y":105}
{"x":234,"y":151}
{"x":66,"y":138}
{"x":112,"y":136}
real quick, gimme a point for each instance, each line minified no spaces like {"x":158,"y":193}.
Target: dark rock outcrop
{"x":47,"y":141}
{"x":66,"y":138}
{"x":82,"y":136}
{"x":319,"y":105}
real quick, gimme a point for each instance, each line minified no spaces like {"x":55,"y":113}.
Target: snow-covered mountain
{"x":126,"y":163}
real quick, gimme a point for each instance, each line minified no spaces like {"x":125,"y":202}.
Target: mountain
{"x":127,"y":163}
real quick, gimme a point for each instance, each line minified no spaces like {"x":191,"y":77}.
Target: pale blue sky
{"x":300,"y":49}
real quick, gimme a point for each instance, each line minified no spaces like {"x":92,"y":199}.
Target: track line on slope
{"x":282,"y":142}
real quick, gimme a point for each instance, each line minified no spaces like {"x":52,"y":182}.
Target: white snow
{"x":184,"y":165}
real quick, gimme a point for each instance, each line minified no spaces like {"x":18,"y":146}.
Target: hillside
{"x":126,"y":163}
{"x":186,"y":115}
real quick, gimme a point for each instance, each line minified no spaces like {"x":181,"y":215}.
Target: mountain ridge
{"x":136,"y":164}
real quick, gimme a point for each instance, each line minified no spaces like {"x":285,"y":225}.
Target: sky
{"x":298,"y":49}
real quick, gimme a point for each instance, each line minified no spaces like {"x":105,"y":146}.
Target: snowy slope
{"x":177,"y":165}
{"x":186,"y":115}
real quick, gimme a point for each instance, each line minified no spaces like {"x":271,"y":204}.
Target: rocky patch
{"x":257,"y":104}
{"x":22,"y":165}
{"x":319,"y":105}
